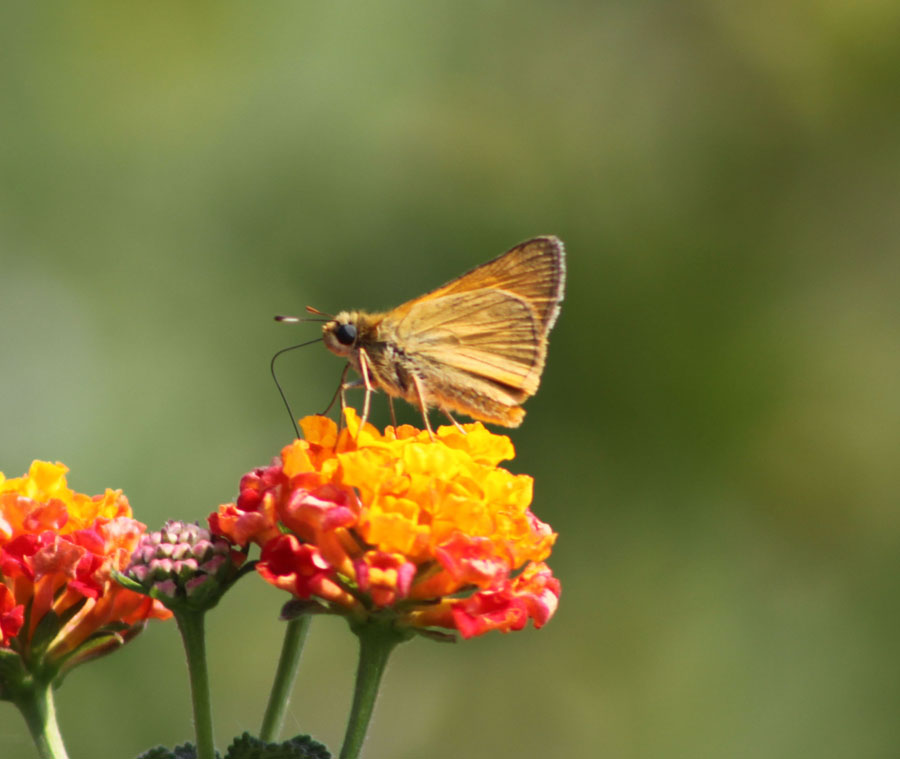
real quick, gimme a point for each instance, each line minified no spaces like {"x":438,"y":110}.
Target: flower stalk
{"x":191,"y":626}
{"x":285,"y":675}
{"x":377,"y":640}
{"x":35,"y":702}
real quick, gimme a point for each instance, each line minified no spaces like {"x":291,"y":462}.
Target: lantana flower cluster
{"x":429,"y":532}
{"x":59,"y":602}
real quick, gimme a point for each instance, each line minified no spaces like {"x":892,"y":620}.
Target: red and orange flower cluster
{"x":432,"y":532}
{"x":58,"y":550}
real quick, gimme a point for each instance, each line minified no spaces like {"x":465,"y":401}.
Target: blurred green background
{"x":716,"y":439}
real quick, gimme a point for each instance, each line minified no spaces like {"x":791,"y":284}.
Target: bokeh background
{"x":716,"y":439}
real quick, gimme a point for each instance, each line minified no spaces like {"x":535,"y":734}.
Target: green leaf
{"x":299,"y":747}
{"x":436,"y":635}
{"x":311,"y":748}
{"x":9,"y":660}
{"x":126,"y":582}
{"x":297,"y":608}
{"x":186,"y":751}
{"x":44,"y":633}
{"x":12,"y":673}
{"x":160,"y":752}
{"x":94,"y":647}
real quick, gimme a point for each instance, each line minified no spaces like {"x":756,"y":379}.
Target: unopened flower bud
{"x":184,"y":565}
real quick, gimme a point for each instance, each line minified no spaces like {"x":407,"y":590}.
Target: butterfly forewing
{"x":491,"y":322}
{"x":534,"y":270}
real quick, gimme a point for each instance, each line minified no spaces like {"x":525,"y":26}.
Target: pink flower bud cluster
{"x":180,"y":561}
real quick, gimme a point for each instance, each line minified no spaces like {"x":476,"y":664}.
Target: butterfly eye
{"x":346,"y":334}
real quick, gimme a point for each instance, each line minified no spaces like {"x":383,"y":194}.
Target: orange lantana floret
{"x":397,"y":521}
{"x":41,"y":500}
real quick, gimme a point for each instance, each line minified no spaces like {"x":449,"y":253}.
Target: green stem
{"x":190,"y":623}
{"x":376,"y":641}
{"x":288,"y":663}
{"x":36,"y":705}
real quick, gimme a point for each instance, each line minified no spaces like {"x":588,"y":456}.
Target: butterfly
{"x":477,"y":345}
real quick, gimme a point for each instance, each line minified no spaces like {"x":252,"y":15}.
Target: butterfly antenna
{"x":278,"y":384}
{"x":310,"y":309}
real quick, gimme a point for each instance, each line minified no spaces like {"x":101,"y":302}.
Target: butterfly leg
{"x":393,"y":414}
{"x":364,"y":370}
{"x":357,"y":383}
{"x":455,"y":423}
{"x":422,"y":407}
{"x":338,"y":392}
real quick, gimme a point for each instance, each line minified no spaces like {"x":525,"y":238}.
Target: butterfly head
{"x":341,"y":334}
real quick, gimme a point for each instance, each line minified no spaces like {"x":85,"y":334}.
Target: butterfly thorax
{"x":351,"y":333}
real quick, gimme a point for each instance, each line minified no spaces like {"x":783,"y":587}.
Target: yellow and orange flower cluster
{"x":431,"y":531}
{"x":58,"y":550}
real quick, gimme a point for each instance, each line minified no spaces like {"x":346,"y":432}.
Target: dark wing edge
{"x":534,"y":270}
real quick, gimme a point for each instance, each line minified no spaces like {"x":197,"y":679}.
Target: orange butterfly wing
{"x":492,"y":322}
